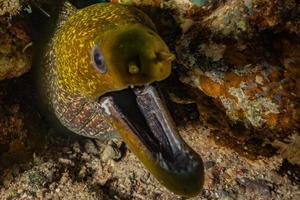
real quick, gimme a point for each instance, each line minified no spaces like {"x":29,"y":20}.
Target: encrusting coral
{"x":259,"y":94}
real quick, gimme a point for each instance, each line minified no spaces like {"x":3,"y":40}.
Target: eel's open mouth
{"x":142,"y":119}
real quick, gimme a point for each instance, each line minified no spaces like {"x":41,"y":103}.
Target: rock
{"x":257,"y":188}
{"x":260,"y":95}
{"x":11,"y":7}
{"x":91,"y":148}
{"x":76,"y":147}
{"x":111,"y":151}
{"x":83,"y":172}
{"x":289,"y":56}
{"x":15,"y":53}
{"x":290,"y":148}
{"x":232,"y":18}
{"x":249,"y":81}
{"x":7,"y":177}
{"x":66,"y":162}
{"x":209,"y":164}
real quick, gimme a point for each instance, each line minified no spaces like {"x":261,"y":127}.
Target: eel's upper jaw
{"x":141,"y":118}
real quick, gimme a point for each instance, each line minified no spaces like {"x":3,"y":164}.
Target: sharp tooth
{"x":166,"y":56}
{"x":105,"y":104}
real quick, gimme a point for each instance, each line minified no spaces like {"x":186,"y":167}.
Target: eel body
{"x":95,"y":79}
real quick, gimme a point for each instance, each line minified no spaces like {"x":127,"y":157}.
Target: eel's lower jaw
{"x":143,"y":121}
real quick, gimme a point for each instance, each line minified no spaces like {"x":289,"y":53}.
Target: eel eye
{"x":98,"y":60}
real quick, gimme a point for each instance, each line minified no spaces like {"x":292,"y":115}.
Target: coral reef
{"x":229,"y":38}
{"x":245,"y":18}
{"x":260,"y":94}
{"x":15,"y":53}
{"x":231,"y":18}
{"x":255,"y":82}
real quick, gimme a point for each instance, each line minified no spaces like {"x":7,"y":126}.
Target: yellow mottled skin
{"x":123,"y":35}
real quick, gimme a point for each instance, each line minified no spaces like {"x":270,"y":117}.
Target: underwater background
{"x":233,"y":92}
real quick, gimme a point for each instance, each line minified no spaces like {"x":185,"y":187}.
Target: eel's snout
{"x":142,"y":119}
{"x":136,"y":55}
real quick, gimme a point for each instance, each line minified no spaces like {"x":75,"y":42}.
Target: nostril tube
{"x":165,"y":56}
{"x":133,"y":68}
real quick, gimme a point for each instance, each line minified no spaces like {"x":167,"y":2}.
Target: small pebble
{"x":76,"y":147}
{"x":65,"y":161}
{"x":91,"y":148}
{"x":110,"y":152}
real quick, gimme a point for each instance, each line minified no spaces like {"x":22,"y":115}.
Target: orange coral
{"x":258,"y":94}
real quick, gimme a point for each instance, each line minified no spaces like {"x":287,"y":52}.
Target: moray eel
{"x":96,"y":78}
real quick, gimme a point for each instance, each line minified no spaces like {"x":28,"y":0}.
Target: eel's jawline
{"x":157,"y":115}
{"x":142,"y":111}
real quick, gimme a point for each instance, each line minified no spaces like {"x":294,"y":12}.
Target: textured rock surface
{"x":246,"y":71}
{"x":10,"y":7}
{"x":15,"y":53}
{"x":259,"y":95}
{"x":234,"y":18}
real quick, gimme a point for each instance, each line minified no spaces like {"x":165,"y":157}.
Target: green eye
{"x":98,"y":60}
